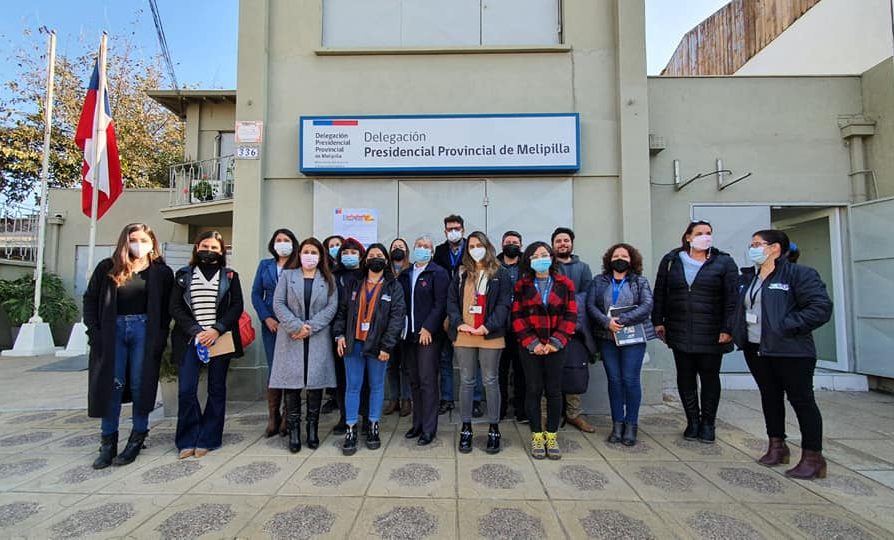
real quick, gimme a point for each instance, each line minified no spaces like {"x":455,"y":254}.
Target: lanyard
{"x":752,"y":292}
{"x":616,"y":289}
{"x":481,"y":277}
{"x":370,"y":293}
{"x":544,"y":294}
{"x":455,"y":258}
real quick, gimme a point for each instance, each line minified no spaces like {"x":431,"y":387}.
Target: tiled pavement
{"x":253,"y":488}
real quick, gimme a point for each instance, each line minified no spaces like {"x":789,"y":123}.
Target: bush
{"x":56,"y":306}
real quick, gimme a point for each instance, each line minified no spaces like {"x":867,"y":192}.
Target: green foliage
{"x":203,"y":191}
{"x":56,"y":306}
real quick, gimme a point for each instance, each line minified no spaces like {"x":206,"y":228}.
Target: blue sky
{"x":202,"y":34}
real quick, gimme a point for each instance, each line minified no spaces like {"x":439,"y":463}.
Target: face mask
{"x":283,"y":249}
{"x":511,"y":251}
{"x":620,"y":265}
{"x":454,"y":236}
{"x":702,"y":243}
{"x":757,"y":255}
{"x":542,"y":264}
{"x":422,"y":254}
{"x":478,"y":253}
{"x":206,"y":256}
{"x":376,"y":265}
{"x":398,"y":254}
{"x":350,"y":261}
{"x":139,"y":249}
{"x":309,"y":260}
{"x":333,"y":251}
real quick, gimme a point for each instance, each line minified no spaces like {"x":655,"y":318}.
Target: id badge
{"x":750,"y":317}
{"x":476,"y":310}
{"x":364,"y":327}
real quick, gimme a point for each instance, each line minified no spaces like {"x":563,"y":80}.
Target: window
{"x":440,"y":23}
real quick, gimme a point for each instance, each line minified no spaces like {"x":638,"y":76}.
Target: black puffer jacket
{"x":388,"y":318}
{"x":794,"y":303}
{"x":694,"y":317}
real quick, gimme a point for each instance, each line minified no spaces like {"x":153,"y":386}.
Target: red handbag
{"x":246,"y":330}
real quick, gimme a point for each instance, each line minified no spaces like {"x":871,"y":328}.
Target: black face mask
{"x":376,"y":265}
{"x":511,"y":251}
{"x":206,"y":256}
{"x":398,"y":255}
{"x":620,"y":265}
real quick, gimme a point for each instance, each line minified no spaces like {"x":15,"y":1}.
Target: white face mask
{"x":703,"y":242}
{"x":454,"y":236}
{"x":139,"y":249}
{"x":283,"y":249}
{"x":477,"y":253}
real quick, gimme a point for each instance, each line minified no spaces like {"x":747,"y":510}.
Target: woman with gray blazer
{"x":305,"y":302}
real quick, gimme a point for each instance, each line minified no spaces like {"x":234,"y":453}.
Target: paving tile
{"x":442,"y":447}
{"x":881,"y":449}
{"x":668,"y":481}
{"x":406,"y":518}
{"x":699,"y":451}
{"x":404,"y":477}
{"x":750,"y":482}
{"x":167,"y":474}
{"x":818,"y":521}
{"x":299,"y":517}
{"x":508,"y":519}
{"x":577,"y":479}
{"x":220,"y":516}
{"x":234,"y":442}
{"x":646,"y":449}
{"x":345,"y":476}
{"x":611,"y":520}
{"x":79,"y":476}
{"x":881,"y":516}
{"x":33,"y":419}
{"x":512,"y":446}
{"x":22,"y":469}
{"x":574,"y":445}
{"x":730,"y":520}
{"x":670,"y":422}
{"x":845,"y":487}
{"x":883,"y":477}
{"x":31,"y":438}
{"x":21,"y":512}
{"x":488,"y":478}
{"x":250,"y":475}
{"x":103,"y":516}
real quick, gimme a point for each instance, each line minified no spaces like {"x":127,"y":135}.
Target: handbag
{"x":246,"y":330}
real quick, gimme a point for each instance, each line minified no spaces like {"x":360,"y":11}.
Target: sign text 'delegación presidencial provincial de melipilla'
{"x":436,"y":144}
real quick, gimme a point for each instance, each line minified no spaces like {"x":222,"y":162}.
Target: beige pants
{"x":572,"y":406}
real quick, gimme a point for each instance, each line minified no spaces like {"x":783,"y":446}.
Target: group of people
{"x":342,"y":317}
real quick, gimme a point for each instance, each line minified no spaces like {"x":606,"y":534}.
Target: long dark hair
{"x":491,"y":264}
{"x":636,"y":259}
{"x":122,"y":261}
{"x":364,"y":268}
{"x":775,"y":236}
{"x":272,"y":241}
{"x":690,"y":228}
{"x":194,"y":259}
{"x":322,"y":265}
{"x":524,"y":268}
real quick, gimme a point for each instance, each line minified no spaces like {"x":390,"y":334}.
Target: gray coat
{"x":636,"y":293}
{"x":288,"y":355}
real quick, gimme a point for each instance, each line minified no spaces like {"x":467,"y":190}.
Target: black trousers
{"x":423,"y":364}
{"x":511,"y":361}
{"x":778,"y":377}
{"x":695,"y":368}
{"x":543,"y":374}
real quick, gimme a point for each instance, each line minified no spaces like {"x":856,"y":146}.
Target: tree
{"x":150,"y":138}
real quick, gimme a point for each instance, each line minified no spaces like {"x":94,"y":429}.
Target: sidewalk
{"x":664,"y":487}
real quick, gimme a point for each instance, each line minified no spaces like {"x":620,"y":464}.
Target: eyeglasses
{"x":701,"y":222}
{"x":759,"y":244}
{"x":454,"y":228}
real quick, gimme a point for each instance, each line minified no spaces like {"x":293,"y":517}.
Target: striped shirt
{"x":204,"y":298}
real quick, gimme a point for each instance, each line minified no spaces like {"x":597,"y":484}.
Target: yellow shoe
{"x":538,"y":450}
{"x":552,"y":446}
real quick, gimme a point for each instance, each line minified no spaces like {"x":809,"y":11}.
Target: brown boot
{"x":581,"y":423}
{"x":812,"y":465}
{"x":777,"y":453}
{"x":283,"y":424}
{"x":274,"y":401}
{"x":390,"y":407}
{"x":406,"y":407}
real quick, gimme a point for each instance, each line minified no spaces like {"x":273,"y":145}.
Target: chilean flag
{"x":106,"y":173}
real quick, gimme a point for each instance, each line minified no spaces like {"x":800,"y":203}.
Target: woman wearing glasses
{"x":695,"y":297}
{"x":779,"y":306}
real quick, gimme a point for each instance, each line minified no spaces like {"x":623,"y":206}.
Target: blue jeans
{"x":622,"y":368}
{"x":356,"y":365}
{"x":447,"y":375}
{"x":197,"y":428}
{"x":130,"y":350}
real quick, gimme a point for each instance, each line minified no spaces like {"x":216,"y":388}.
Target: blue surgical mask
{"x":421,"y":254}
{"x":333,"y":251}
{"x":542,"y":264}
{"x":757,"y":255}
{"x":350,"y":261}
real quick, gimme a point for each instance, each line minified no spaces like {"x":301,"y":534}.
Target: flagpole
{"x":94,"y":167}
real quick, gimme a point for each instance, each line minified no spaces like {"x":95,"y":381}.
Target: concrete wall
{"x":835,"y":37}
{"x":204,"y":122}
{"x":878,"y":104}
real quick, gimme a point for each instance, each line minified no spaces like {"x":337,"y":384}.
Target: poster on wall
{"x":439,"y":144}
{"x":359,"y":223}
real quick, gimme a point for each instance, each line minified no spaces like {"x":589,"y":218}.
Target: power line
{"x":163,"y":44}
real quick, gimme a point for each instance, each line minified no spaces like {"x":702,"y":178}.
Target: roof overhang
{"x":177,"y":101}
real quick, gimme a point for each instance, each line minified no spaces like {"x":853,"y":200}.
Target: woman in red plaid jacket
{"x":544,"y":317}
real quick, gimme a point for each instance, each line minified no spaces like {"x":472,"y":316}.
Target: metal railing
{"x":19,"y":228}
{"x":202,"y":181}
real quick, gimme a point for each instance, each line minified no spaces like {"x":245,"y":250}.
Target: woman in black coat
{"x":126,"y":314}
{"x":695,"y":296}
{"x":778,"y":308}
{"x":206,"y":303}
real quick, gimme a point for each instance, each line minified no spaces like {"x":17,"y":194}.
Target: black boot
{"x":465,"y":438}
{"x":293,"y":419}
{"x":132,"y":450}
{"x":617,"y":432}
{"x":372,"y":437}
{"x":364,"y":428}
{"x":710,"y":401}
{"x":350,"y":445}
{"x":629,"y":437}
{"x":493,"y":439}
{"x":314,"y":400}
{"x":108,"y":449}
{"x":690,"y":407}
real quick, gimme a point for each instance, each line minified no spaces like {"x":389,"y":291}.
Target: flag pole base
{"x":34,"y":339}
{"x":77,"y":342}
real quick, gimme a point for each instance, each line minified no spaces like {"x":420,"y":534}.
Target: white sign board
{"x":439,"y":143}
{"x":249,"y":132}
{"x":359,"y":223}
